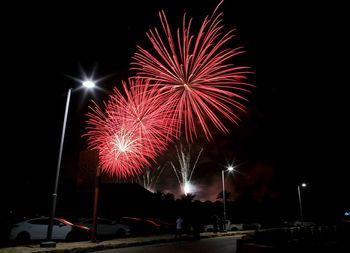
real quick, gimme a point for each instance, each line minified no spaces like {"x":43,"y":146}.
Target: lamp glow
{"x":89,"y":84}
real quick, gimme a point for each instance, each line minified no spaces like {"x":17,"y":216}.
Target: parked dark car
{"x":140,"y":226}
{"x":107,"y":227}
{"x":165,"y":226}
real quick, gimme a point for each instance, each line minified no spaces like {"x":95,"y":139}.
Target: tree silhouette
{"x":187,"y":198}
{"x":227,"y":195}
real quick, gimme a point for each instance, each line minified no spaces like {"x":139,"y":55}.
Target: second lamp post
{"x":303,"y":185}
{"x":229,"y":169}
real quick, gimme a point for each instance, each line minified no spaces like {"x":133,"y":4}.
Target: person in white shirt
{"x":179,"y":227}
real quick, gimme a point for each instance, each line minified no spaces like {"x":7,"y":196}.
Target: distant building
{"x":88,"y":162}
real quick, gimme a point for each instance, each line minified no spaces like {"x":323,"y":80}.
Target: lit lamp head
{"x":230,"y":168}
{"x":303,"y":185}
{"x":89,"y":84}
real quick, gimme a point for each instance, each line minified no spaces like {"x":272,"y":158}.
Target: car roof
{"x":43,"y":217}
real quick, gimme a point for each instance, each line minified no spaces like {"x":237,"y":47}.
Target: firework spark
{"x":144,"y":112}
{"x":150,"y":177}
{"x":119,"y":149}
{"x":195,"y":75}
{"x":186,"y":168}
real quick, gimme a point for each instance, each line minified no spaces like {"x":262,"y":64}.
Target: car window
{"x":44,"y":221}
{"x":87,"y":221}
{"x":101,"y":221}
{"x":57,"y":222}
{"x":39,"y":221}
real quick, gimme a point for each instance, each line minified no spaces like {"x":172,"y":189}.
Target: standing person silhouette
{"x":215,"y":223}
{"x":179,"y":227}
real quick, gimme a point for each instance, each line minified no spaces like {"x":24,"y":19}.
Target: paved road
{"x":218,"y":244}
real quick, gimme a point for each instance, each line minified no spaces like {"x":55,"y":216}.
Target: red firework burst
{"x":132,"y":131}
{"x":145,"y":113}
{"x":119,"y":149}
{"x":195,"y":75}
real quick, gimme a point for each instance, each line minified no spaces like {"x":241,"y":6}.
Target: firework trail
{"x":185,"y":171}
{"x":195,"y":75}
{"x":150,"y":177}
{"x":130,"y":131}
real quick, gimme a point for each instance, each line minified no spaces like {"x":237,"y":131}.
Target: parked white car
{"x":233,"y":226}
{"x":107,"y":227}
{"x":228,"y":227}
{"x":36,"y":229}
{"x":299,"y":223}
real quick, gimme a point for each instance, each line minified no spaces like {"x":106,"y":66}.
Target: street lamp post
{"x":229,"y":169}
{"x":223,"y":196}
{"x":300,"y":205}
{"x":49,"y":243}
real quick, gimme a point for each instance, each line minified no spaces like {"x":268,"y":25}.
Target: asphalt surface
{"x":88,"y":246}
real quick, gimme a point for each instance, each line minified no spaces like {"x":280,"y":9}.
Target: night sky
{"x":296,"y":128}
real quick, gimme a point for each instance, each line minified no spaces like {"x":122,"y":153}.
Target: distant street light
{"x":229,"y":169}
{"x":49,"y":243}
{"x":303,"y":185}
